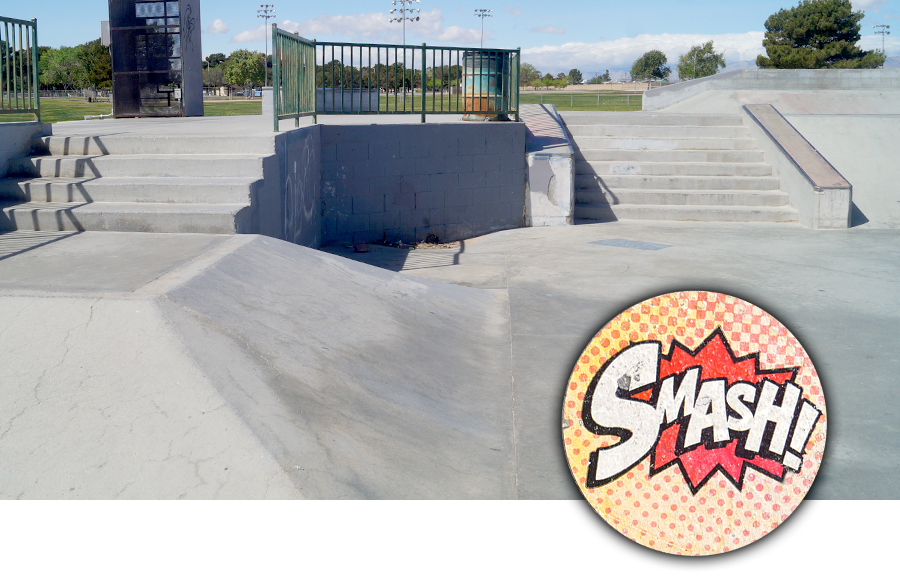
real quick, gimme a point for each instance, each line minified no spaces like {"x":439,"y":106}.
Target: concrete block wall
{"x":16,"y":139}
{"x":405,"y":181}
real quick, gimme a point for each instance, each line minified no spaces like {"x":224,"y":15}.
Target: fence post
{"x":518,"y":77}
{"x":34,"y":69}
{"x":423,"y":84}
{"x":276,"y":75}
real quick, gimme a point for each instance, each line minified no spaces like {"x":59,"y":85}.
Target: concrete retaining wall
{"x":550,"y":187}
{"x":405,"y":181}
{"x":16,"y":138}
{"x":878,"y":79}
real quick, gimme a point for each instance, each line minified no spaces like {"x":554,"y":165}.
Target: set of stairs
{"x":129,"y":183}
{"x":641,"y":165}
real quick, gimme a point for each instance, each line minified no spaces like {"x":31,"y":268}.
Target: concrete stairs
{"x":129,"y":183}
{"x":646,"y":166}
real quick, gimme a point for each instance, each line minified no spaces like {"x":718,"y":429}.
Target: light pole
{"x":483,"y":13}
{"x":403,"y":14}
{"x":885,"y":29}
{"x":266,"y":12}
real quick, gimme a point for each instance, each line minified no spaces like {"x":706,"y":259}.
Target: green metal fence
{"x":293,"y":80}
{"x":394,"y":79}
{"x":19,"y":67}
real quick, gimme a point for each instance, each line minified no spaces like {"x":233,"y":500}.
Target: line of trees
{"x":87,"y":65}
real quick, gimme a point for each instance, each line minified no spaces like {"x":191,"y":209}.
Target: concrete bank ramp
{"x":256,"y":369}
{"x":791,"y":101}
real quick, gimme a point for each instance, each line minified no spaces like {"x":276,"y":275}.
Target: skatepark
{"x":182,"y":361}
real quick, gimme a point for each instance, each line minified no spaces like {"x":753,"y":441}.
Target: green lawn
{"x":66,"y":109}
{"x":606,"y":101}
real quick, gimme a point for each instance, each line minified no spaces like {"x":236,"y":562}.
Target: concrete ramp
{"x":791,"y":101}
{"x":253,"y":368}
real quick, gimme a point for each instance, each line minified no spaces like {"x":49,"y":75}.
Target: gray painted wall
{"x":405,"y":181}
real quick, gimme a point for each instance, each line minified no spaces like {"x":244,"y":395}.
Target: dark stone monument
{"x":156,"y":58}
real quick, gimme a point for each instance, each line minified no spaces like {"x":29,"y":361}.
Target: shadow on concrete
{"x":15,"y":243}
{"x":857,"y":218}
{"x":397,"y":259}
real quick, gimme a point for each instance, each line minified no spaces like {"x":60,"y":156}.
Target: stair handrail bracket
{"x":312,"y":78}
{"x":822,"y":196}
{"x":19,"y":74}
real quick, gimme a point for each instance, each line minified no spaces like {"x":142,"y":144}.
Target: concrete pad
{"x":346,"y":381}
{"x":339,"y":379}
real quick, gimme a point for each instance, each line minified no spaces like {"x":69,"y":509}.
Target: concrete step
{"x":690,"y":213}
{"x":594,"y":142}
{"x":124,"y":217}
{"x":108,"y":189}
{"x":130,"y":144}
{"x":72,"y":166}
{"x":650,"y":118}
{"x":655,"y":131}
{"x":619,"y":182}
{"x":669,"y":155}
{"x":584,"y":197}
{"x":601,"y":168}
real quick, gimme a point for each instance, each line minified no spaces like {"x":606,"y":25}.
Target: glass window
{"x":172,"y":9}
{"x":150,"y":9}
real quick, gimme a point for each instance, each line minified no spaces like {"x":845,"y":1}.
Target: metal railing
{"x":396,"y":79}
{"x":19,"y":67}
{"x":293,"y":78}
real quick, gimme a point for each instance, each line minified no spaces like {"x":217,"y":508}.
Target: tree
{"x":63,"y":68}
{"x":816,"y":34}
{"x":651,"y":65}
{"x":244,"y":68}
{"x":600,"y":79}
{"x":97,"y":63}
{"x":528,"y":74}
{"x":216,"y":59}
{"x":575,"y":76}
{"x":700,"y":61}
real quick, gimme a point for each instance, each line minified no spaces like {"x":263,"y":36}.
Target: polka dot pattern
{"x":660,"y":511}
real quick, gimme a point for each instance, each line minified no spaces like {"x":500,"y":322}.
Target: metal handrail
{"x":352,"y":78}
{"x":293,"y":77}
{"x":19,"y":74}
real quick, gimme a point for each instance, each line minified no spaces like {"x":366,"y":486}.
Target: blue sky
{"x":592,"y":35}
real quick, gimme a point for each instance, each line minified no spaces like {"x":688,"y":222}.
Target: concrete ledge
{"x":16,"y":139}
{"x":550,"y":168}
{"x":819,"y":193}
{"x":878,"y":79}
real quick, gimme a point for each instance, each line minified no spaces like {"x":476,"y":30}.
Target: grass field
{"x":66,"y":109}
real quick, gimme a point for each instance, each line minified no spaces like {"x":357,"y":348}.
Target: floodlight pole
{"x":266,"y":12}
{"x":483,"y":13}
{"x":885,"y":29}
{"x":403,"y":14}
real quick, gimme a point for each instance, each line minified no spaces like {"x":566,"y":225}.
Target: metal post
{"x":423,"y":84}
{"x":276,"y":76}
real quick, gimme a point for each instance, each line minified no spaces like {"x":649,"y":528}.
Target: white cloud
{"x":375,"y":26}
{"x":217,"y":27}
{"x":867,"y":4}
{"x":548,"y":30}
{"x":623,"y":52}
{"x":514,"y":10}
{"x":873,"y":42}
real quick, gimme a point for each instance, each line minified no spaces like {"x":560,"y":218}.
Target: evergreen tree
{"x":816,"y":34}
{"x":575,"y":76}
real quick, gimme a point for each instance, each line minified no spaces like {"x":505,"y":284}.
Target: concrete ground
{"x":165,"y":366}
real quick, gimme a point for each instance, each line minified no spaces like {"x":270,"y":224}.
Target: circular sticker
{"x":694,"y":423}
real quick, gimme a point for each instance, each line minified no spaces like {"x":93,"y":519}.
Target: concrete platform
{"x":202,"y":366}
